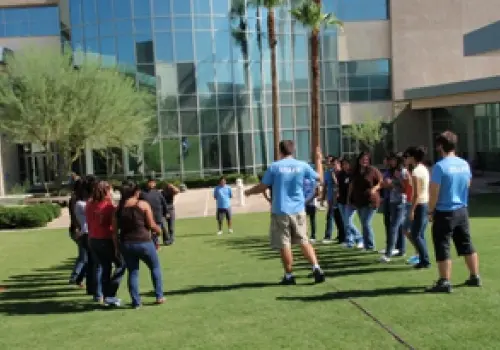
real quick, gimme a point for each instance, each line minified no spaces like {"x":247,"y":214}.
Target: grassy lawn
{"x":222,"y":294}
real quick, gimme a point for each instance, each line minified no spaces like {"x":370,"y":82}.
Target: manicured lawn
{"x":222,"y":295}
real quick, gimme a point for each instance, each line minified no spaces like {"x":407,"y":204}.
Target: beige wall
{"x":352,"y":113}
{"x":17,"y":44}
{"x":427,"y":42}
{"x":364,"y":41}
{"x":4,"y":3}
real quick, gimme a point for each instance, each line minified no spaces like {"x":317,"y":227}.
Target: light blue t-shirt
{"x":286,"y":178}
{"x":223,"y":195}
{"x":309,"y":190}
{"x":331,"y":186}
{"x":453,"y":175}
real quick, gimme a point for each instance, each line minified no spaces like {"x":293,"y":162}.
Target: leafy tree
{"x":46,"y":100}
{"x":368,"y":134}
{"x":310,"y":15}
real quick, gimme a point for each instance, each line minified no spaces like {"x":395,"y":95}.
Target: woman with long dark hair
{"x":364,"y":196}
{"x":169,"y":192}
{"x":135,"y":221}
{"x":100,"y":212}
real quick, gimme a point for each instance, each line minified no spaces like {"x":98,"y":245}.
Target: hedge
{"x":211,"y":181}
{"x":29,"y":216}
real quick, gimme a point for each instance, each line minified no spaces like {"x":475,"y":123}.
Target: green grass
{"x":222,"y":295}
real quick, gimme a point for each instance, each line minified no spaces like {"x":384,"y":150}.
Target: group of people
{"x":408,"y":193}
{"x":113,"y":239}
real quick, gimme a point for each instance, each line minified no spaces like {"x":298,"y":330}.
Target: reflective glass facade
{"x":29,"y":21}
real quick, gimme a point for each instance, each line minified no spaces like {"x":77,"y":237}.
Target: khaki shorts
{"x":287,"y":230}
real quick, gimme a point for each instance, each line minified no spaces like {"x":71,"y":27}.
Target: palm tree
{"x":310,"y":15}
{"x":270,"y":5}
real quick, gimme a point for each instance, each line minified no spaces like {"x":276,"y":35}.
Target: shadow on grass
{"x":484,"y":206}
{"x":42,"y":293}
{"x":217,"y":288}
{"x":354,"y":294}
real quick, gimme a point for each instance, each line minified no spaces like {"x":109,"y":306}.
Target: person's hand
{"x":412,"y":215}
{"x":387,"y":182}
{"x":319,"y":154}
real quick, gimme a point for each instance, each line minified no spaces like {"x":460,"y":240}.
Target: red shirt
{"x":408,"y":187}
{"x":100,"y":219}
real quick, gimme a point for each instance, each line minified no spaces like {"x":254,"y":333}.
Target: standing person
{"x":136,"y":220}
{"x":448,"y":202}
{"x":418,"y":212}
{"x":103,"y":239}
{"x":76,"y":234}
{"x":365,"y":197}
{"x":310,"y":194}
{"x":330,"y":195}
{"x":158,"y":205}
{"x":288,"y":219}
{"x":169,"y":192}
{"x":390,"y":162}
{"x":397,"y":210}
{"x":352,"y":236}
{"x":337,"y":215}
{"x":222,"y":196}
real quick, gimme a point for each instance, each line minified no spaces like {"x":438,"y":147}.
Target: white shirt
{"x":422,"y":174}
{"x":80,"y":216}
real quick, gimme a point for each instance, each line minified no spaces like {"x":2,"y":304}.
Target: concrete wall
{"x":427,"y":42}
{"x":412,"y":128}
{"x":352,"y":113}
{"x":17,"y":3}
{"x":17,"y":44}
{"x":364,"y":41}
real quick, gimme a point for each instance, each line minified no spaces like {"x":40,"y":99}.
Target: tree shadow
{"x":42,"y":292}
{"x":356,"y":293}
{"x":221,"y":288}
{"x":484,"y":205}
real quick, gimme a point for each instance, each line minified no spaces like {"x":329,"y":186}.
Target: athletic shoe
{"x":473,"y":281}
{"x":219,"y":233}
{"x":230,"y":230}
{"x":288,"y":281}
{"x":319,"y":276}
{"x":413,"y":260}
{"x":360,"y":245}
{"x":112,"y":301}
{"x":312,"y":240}
{"x":394,"y":251}
{"x":384,"y":259}
{"x":160,"y":301}
{"x":327,"y":241}
{"x":347,"y":245}
{"x":441,"y":286}
{"x":420,"y":266}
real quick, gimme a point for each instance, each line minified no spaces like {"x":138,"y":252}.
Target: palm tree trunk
{"x":274,"y":81}
{"x":262,"y":124}
{"x":315,"y":90}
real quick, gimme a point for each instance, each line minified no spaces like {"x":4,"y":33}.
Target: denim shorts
{"x":407,"y":221}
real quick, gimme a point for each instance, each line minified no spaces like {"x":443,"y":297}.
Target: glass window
{"x":303,"y":116}
{"x":171,"y":154}
{"x":183,"y":23}
{"x":124,"y":27}
{"x":203,"y":46}
{"x":220,"y":7}
{"x":91,"y":46}
{"x":246,"y":149}
{"x":329,"y":46}
{"x":125,"y":49}
{"x":142,"y":8}
{"x":229,"y":151}
{"x":106,"y":29}
{"x":186,"y":78}
{"x":123,"y":9}
{"x":380,"y":94}
{"x":104,"y":10}
{"x":91,"y":31}
{"x":260,"y":147}
{"x":359,"y":96}
{"x":163,"y":24}
{"x":210,"y":149}
{"x":182,"y":7}
{"x":44,"y":28}
{"x":208,"y":119}
{"x":89,"y":11}
{"x":161,"y":8}
{"x":164,"y":47}
{"x":244,"y":119}
{"x":300,"y":47}
{"x":329,"y":75}
{"x":222,"y":46}
{"x":17,"y":29}
{"x":184,"y":46}
{"x":188,"y":101}
{"x":152,"y":156}
{"x":225,"y":100}
{"x":205,"y":79}
{"x":287,"y":117}
{"x":142,"y":26}
{"x":303,"y":145}
{"x":221,"y":23}
{"x":301,"y":75}
{"x":224,"y":74}
{"x":189,"y":122}
{"x":334,"y":139}
{"x":201,"y":7}
{"x":227,"y":120}
{"x":302,"y":98}
{"x":169,"y":123}
{"x":331,"y":96}
{"x":144,"y":49}
{"x":332,"y":115}
{"x":146,"y":69}
{"x":202,"y":23}
{"x":380,"y":81}
{"x":362,"y":10}
{"x":108,"y":49}
{"x":75,"y":12}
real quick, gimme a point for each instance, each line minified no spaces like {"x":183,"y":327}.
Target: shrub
{"x":29,"y":216}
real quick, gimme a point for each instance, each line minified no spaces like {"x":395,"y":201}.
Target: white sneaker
{"x":110,"y":301}
{"x":327,"y":241}
{"x":360,"y":245}
{"x":382,"y":251}
{"x":312,"y":240}
{"x":230,"y":230}
{"x":346,"y":245}
{"x":219,"y":233}
{"x":384,"y":259}
{"x":394,"y":251}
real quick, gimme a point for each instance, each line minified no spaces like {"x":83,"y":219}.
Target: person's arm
{"x":230,"y":192}
{"x":215,"y":193}
{"x":415,"y":185}
{"x":266,"y":196}
{"x":437,"y":174}
{"x":150,"y":221}
{"x":266,"y":182}
{"x":319,"y":164}
{"x":378,"y":180}
{"x":175,"y":190}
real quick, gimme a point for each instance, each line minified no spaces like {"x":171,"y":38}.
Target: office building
{"x":213,"y":86}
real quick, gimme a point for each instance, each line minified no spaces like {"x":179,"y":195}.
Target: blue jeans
{"x":79,"y":270}
{"x":418,"y":228}
{"x":311,"y":213}
{"x":133,"y":254}
{"x":397,"y":218}
{"x":365,"y":215}
{"x":352,"y":234}
{"x":105,"y":256}
{"x":169,"y":233}
{"x":330,"y":221}
{"x":400,"y":241}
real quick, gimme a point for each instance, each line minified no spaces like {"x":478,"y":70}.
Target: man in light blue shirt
{"x":222,"y":196}
{"x":288,"y":218}
{"x":448,"y":201}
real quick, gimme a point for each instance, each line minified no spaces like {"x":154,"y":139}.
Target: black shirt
{"x":343,"y":179}
{"x":168,"y":194}
{"x":157,"y":203}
